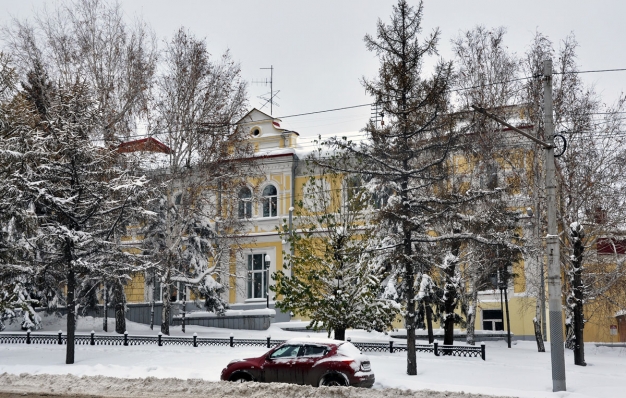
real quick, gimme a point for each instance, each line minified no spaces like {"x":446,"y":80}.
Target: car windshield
{"x":286,"y":351}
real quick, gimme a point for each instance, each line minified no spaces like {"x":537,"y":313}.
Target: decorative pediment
{"x":265,"y":133}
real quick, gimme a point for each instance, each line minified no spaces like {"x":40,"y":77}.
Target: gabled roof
{"x":255,"y":115}
{"x":144,"y":145}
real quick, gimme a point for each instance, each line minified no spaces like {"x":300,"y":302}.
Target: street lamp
{"x":503,"y":286}
{"x":267,"y":280}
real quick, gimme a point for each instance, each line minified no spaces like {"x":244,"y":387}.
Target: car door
{"x":278,"y":366}
{"x":303,"y":365}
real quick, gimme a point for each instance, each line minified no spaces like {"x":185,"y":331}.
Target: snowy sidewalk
{"x":518,"y":372}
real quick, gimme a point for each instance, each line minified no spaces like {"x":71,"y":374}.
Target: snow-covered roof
{"x":314,"y":340}
{"x":149,"y":144}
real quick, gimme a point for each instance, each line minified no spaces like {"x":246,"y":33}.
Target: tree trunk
{"x":167,"y":305}
{"x":411,"y":357}
{"x":538,"y":336}
{"x":578,"y":321}
{"x":340,"y":334}
{"x":429,"y":323}
{"x":71,"y":315}
{"x":471,"y":314}
{"x":120,"y":313}
{"x":450,"y":294}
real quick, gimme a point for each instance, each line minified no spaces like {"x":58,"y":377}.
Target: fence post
{"x":268,"y":341}
{"x":482,"y":351}
{"x":125,"y":338}
{"x":232,"y":344}
{"x":390,"y":347}
{"x":60,"y":339}
{"x":93,"y":340}
{"x":160,"y":342}
{"x":195,"y":339}
{"x":436,"y":347}
{"x":28,"y":336}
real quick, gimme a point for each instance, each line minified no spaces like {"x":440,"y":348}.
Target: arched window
{"x":270,"y":201}
{"x":245,"y":203}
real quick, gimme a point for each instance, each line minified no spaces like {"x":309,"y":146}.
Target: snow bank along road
{"x":120,"y":371}
{"x":73,"y":386}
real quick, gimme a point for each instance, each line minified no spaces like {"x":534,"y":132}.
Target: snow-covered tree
{"x":333,"y":279}
{"x":407,"y":155}
{"x":424,"y":223}
{"x":590,"y":177}
{"x":197,"y":103}
{"x":487,"y":76}
{"x":75,"y":195}
{"x":13,"y":298}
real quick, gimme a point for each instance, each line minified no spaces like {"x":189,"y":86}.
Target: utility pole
{"x":552,"y":241}
{"x":555,"y":309}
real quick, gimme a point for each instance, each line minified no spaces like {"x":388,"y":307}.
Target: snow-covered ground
{"x":519,"y":371}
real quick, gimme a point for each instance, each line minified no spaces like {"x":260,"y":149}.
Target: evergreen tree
{"x":333,"y":279}
{"x":76,"y":196}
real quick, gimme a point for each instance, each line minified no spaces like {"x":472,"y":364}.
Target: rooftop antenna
{"x":376,"y":113}
{"x":272,"y":94}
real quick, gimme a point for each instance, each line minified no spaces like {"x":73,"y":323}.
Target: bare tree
{"x":487,"y":76}
{"x":591,"y":185}
{"x":92,"y":40}
{"x":196,"y":105}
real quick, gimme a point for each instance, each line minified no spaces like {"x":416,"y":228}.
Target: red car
{"x":316,"y":362}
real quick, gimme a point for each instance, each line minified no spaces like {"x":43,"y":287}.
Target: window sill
{"x":255,"y":300}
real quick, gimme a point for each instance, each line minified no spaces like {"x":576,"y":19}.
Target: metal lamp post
{"x":184,"y":305}
{"x":105,"y":320}
{"x":503,"y":284}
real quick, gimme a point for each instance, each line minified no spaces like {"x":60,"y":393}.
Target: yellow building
{"x":265,"y":202}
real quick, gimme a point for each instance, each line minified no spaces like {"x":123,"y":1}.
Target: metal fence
{"x":195,"y":341}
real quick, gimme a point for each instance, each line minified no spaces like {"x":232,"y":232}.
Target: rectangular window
{"x":245,"y":208}
{"x":257,"y":276}
{"x":492,"y":320}
{"x":270,"y":206}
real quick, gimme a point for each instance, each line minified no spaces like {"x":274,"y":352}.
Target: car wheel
{"x":333,"y":380}
{"x":240,"y":378}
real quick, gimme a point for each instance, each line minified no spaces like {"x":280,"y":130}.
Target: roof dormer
{"x":265,"y":133}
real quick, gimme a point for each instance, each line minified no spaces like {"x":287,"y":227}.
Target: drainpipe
{"x":294,"y":166}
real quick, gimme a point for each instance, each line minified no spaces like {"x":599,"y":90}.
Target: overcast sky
{"x":317,"y":50}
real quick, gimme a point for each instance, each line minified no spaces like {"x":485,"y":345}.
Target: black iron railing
{"x":195,"y":341}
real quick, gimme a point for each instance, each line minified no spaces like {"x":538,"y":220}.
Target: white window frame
{"x":252,"y":274}
{"x":244,"y":205}
{"x":269,"y":199}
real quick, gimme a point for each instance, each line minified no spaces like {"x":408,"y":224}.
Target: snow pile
{"x":153,"y":387}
